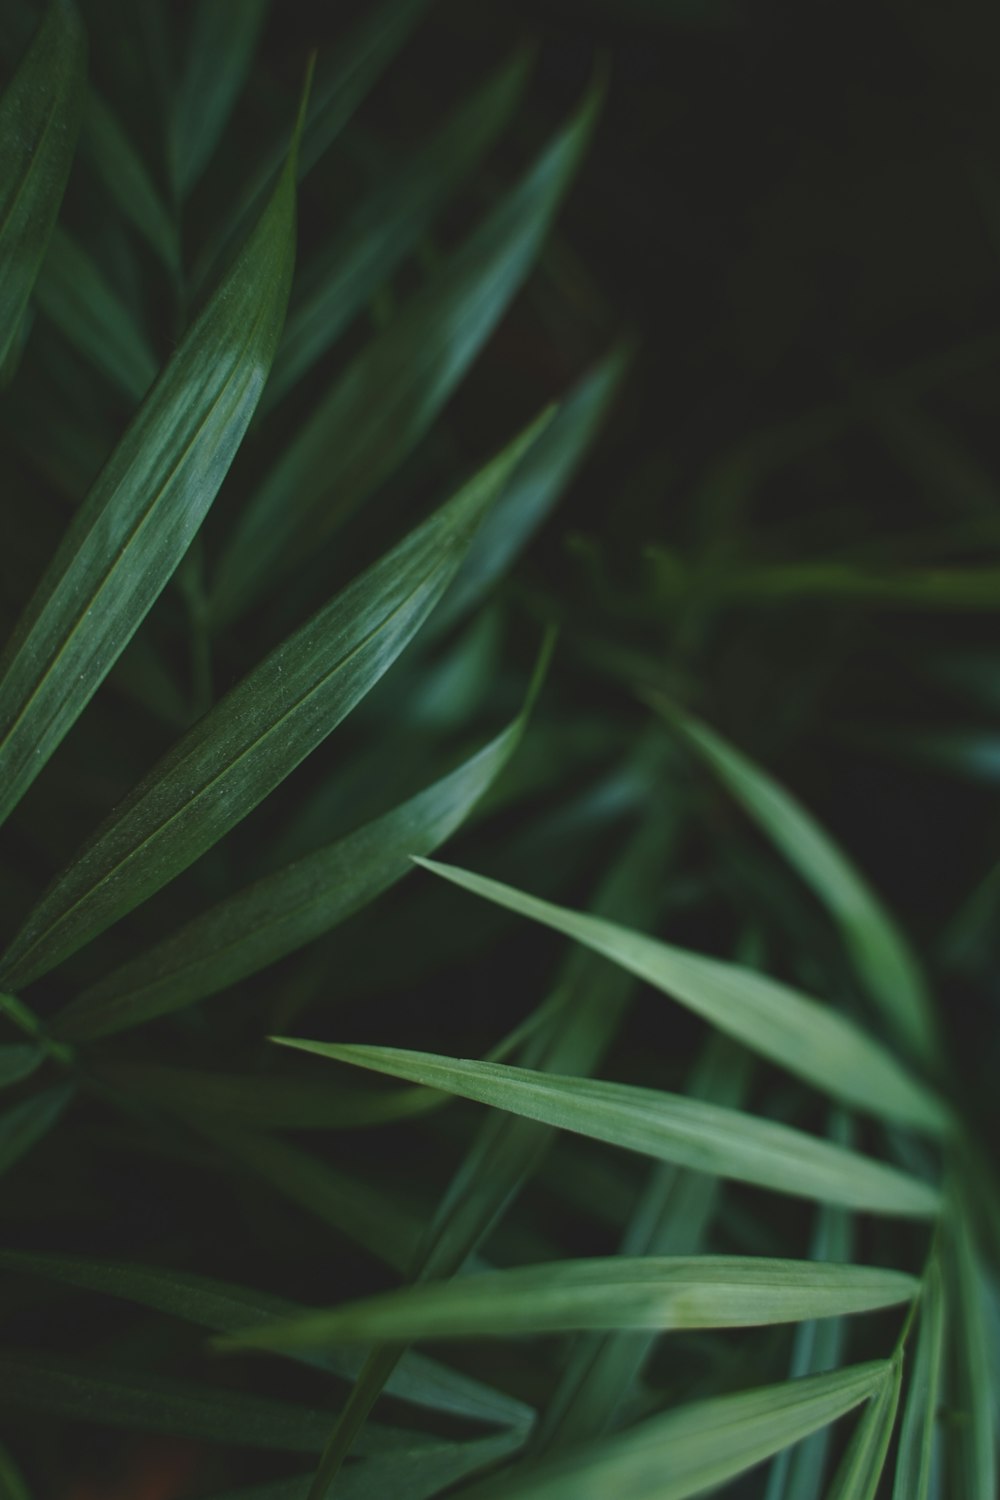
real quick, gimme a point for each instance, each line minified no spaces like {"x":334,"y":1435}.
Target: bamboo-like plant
{"x":717,"y":1207}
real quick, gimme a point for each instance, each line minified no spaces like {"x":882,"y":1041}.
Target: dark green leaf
{"x":127,"y":182}
{"x":146,"y":505}
{"x":40,"y":112}
{"x":377,"y":410}
{"x":18,"y":1062}
{"x":23,"y":1124}
{"x":920,"y":1415}
{"x":220,"y":49}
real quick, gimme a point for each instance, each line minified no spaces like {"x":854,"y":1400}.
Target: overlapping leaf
{"x":146,"y":505}
{"x":257,"y":734}
{"x":811,"y":1040}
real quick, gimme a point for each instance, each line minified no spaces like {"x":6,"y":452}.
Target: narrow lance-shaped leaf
{"x":388,"y":223}
{"x":40,"y":112}
{"x":881,"y":956}
{"x":861,"y":1467}
{"x":916,"y":1438}
{"x":74,"y":295}
{"x":18,"y":1061}
{"x":811,"y":1040}
{"x":974,"y":1436}
{"x":386,"y":400}
{"x":272,"y":917}
{"x":665,"y":1126}
{"x":240,"y":751}
{"x":121,"y":170}
{"x":12,"y":1485}
{"x":220,"y":50}
{"x":223,"y":1307}
{"x":694,"y":1448}
{"x":146,"y":505}
{"x":22,"y":1125}
{"x":665,"y":1292}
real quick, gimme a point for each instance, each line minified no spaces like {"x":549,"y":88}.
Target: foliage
{"x":660,"y":1112}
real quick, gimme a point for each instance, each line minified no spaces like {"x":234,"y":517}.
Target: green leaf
{"x":704,"y":1137}
{"x":974,"y":1436}
{"x":694,"y":1448}
{"x":220,"y":50}
{"x":358,"y":433}
{"x":12,"y":1485}
{"x":40,"y":112}
{"x":223,"y":1307}
{"x":387,"y":225}
{"x":297,"y":904}
{"x":916,"y":1438}
{"x":73,"y":293}
{"x":240,"y":751}
{"x":861,"y":1467}
{"x":123,"y":175}
{"x":145,"y":506}
{"x":17,"y":1062}
{"x":813,"y":1041}
{"x":25,"y":1123}
{"x":881,"y":955}
{"x":664,"y":1292}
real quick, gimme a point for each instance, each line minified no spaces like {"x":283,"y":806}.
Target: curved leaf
{"x":705,"y":1137}
{"x":264,"y":727}
{"x":40,"y":113}
{"x":146,"y":505}
{"x":811,"y":1040}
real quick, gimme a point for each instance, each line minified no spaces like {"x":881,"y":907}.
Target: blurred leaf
{"x":265,"y":726}
{"x":809,"y":1039}
{"x":668,"y":1127}
{"x":881,"y":955}
{"x":388,"y":223}
{"x":12,"y":1485}
{"x":861,"y":1467}
{"x":920,"y":1415}
{"x":220,"y":50}
{"x":695,"y":1448}
{"x":23,"y":1124}
{"x":40,"y":113}
{"x":224,"y":1307}
{"x":375,"y":412}
{"x":18,"y":1062}
{"x":974,"y":1436}
{"x":135,"y":525}
{"x":297,"y":904}
{"x":619,"y":1292}
{"x":124,"y":177}
{"x":73,"y":293}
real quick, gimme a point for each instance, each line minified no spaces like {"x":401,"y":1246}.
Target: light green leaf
{"x":861,"y":1467}
{"x":40,"y":112}
{"x":224,"y":1307}
{"x":811,"y":1040}
{"x":701,"y":1136}
{"x":694,"y":1448}
{"x":72,"y":292}
{"x":128,"y":184}
{"x":25,"y":1123}
{"x":18,"y":1061}
{"x":664,"y":1292}
{"x":387,"y":225}
{"x":916,"y":1438}
{"x":882,"y":957}
{"x":357,"y":434}
{"x":265,"y":726}
{"x":145,"y":506}
{"x":220,"y":50}
{"x":297,"y":904}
